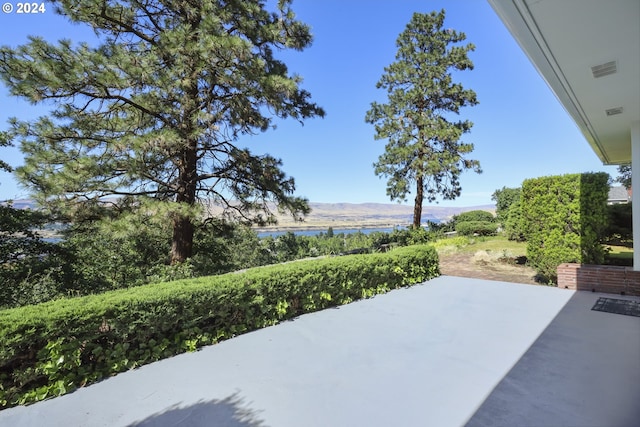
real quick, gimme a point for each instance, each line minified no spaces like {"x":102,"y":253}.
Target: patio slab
{"x":426,"y":355}
{"x":584,"y":370}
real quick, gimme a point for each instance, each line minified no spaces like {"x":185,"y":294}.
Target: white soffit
{"x":588,"y":52}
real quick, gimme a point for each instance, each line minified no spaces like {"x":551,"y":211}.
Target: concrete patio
{"x":450,"y":352}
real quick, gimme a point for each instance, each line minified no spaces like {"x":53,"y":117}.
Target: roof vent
{"x":614,"y":111}
{"x":604,"y":69}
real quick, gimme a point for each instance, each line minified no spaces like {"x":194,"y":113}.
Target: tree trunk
{"x":182,"y":240}
{"x":417,"y":207}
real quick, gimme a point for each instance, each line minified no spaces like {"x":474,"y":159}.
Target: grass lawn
{"x":493,"y":244}
{"x":619,"y":255}
{"x":496,"y":244}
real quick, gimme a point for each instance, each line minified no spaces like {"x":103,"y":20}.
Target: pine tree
{"x":424,"y":147}
{"x":4,"y":166}
{"x":155,"y":109}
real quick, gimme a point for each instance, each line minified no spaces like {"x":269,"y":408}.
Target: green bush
{"x":474,"y":216}
{"x":513,"y":225}
{"x":52,"y":348}
{"x":32,"y":270}
{"x":505,"y":198}
{"x":480,"y":228}
{"x":564,"y":218}
{"x":409,"y":236}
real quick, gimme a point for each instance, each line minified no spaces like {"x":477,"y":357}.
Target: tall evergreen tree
{"x":4,"y":166}
{"x":424,"y":147}
{"x":154,"y":109}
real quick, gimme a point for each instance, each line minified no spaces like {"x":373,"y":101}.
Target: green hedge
{"x":480,"y":228}
{"x":563,"y":219}
{"x":474,"y":216}
{"x":55,"y":347}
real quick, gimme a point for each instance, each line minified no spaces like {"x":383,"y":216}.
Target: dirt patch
{"x":482,"y":265}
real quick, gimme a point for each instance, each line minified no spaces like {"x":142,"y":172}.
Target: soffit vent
{"x":604,"y":69}
{"x":614,"y":111}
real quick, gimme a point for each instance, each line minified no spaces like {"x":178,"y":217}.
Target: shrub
{"x":505,"y":198}
{"x":32,"y":270}
{"x":132,"y":250}
{"x":474,"y":216}
{"x":117,"y":252}
{"x":409,"y":236}
{"x":513,"y":225}
{"x":480,"y":228}
{"x":564,"y":219}
{"x":55,"y":347}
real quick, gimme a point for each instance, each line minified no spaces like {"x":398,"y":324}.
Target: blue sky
{"x":520,"y":130}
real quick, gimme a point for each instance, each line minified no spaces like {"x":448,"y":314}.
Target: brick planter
{"x":599,"y":278}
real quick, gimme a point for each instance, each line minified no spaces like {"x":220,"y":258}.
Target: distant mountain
{"x":346,"y":215}
{"x":373,"y":209}
{"x":20,"y":203}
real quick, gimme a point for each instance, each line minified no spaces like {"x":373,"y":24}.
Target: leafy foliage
{"x":32,"y":270}
{"x":505,"y":198}
{"x":156,"y":107}
{"x":625,"y":176}
{"x":476,"y":215}
{"x":4,"y":142}
{"x":481,"y":228}
{"x":564,"y":219}
{"x":130,"y":248}
{"x":476,"y":222}
{"x":118,"y":252}
{"x":53,"y":348}
{"x":513,"y":224}
{"x":509,"y":212}
{"x":424,"y":147}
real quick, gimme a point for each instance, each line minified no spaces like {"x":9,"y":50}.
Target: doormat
{"x":618,"y":306}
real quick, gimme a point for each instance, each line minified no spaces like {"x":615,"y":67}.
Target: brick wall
{"x":599,"y":278}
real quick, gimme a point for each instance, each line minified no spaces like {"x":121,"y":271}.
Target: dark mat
{"x":618,"y":306}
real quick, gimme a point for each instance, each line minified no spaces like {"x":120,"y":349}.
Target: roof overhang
{"x":588,"y":52}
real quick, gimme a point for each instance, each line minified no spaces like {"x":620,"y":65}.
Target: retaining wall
{"x":599,"y":278}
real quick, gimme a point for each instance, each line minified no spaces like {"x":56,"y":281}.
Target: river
{"x":336,"y":231}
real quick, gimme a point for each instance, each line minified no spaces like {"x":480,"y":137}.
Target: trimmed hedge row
{"x":480,"y":228}
{"x":53,"y":348}
{"x":474,"y":216}
{"x":564,"y":218}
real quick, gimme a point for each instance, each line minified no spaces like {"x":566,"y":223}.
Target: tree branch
{"x":126,"y":27}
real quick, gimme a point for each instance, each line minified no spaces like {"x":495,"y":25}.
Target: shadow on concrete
{"x":583,"y":370}
{"x":229,"y":412}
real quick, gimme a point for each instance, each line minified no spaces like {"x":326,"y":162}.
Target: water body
{"x":336,"y":231}
{"x":262,"y":234}
{"x":314,"y":232}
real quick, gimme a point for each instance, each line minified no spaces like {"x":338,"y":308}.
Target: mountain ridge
{"x":347,"y":214}
{"x":369,"y":214}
